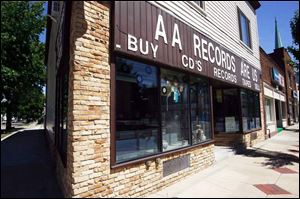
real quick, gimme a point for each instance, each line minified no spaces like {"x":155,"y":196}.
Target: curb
{"x":4,"y":138}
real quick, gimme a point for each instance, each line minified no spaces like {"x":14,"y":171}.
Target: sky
{"x":43,"y":35}
{"x":284,"y":12}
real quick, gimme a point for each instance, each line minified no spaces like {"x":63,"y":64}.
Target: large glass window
{"x":137,"y":105}
{"x":227,"y":113}
{"x":200,"y":110}
{"x":250,"y":110}
{"x":158,"y":110}
{"x":283,"y":107}
{"x":174,"y":111}
{"x":61,"y":132}
{"x":244,"y":26}
{"x":291,"y":115}
{"x":269,"y":110}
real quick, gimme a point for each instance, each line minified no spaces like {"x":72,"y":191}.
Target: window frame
{"x":157,"y":108}
{"x":240,"y":130}
{"x":240,"y":13}
{"x":60,"y":135}
{"x":62,"y":72}
{"x":199,"y":3}
{"x":113,"y":162}
{"x":197,"y":7}
{"x":283,"y":109}
{"x":253,"y":93}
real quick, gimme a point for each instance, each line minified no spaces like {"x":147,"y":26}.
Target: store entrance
{"x":226,"y":111}
{"x":278,"y":111}
{"x":226,"y":108}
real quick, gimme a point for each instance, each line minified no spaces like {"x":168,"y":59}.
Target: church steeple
{"x":278,"y":43}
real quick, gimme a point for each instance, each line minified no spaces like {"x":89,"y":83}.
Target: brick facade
{"x":88,"y":172}
{"x":283,"y":59}
{"x":267,"y":63}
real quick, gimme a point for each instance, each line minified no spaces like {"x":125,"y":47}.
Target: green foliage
{"x":294,"y":24}
{"x":34,"y":100}
{"x":22,"y":55}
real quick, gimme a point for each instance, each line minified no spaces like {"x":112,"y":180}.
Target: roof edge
{"x":255,"y":4}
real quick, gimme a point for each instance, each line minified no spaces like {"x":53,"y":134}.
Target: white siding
{"x":220,"y":23}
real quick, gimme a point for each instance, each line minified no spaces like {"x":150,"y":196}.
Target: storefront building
{"x":274,"y":95}
{"x":144,"y":90}
{"x":282,"y":57}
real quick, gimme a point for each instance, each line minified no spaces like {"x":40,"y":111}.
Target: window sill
{"x":233,"y":132}
{"x":160,"y":155}
{"x":252,"y":130}
{"x":246,"y":47}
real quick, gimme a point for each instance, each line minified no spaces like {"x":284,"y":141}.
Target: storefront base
{"x":135,"y":180}
{"x":239,"y":139}
{"x":62,"y":172}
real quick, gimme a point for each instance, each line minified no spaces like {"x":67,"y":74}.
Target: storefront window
{"x":200,"y":110}
{"x":137,"y":108}
{"x":250,"y":110}
{"x":283,"y":107}
{"x":158,"y":110}
{"x":61,"y":132}
{"x":291,"y":110}
{"x":227,"y":111}
{"x":257,"y":110}
{"x":174,"y":111}
{"x":268,"y":109}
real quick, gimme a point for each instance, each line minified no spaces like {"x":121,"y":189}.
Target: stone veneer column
{"x":89,"y":98}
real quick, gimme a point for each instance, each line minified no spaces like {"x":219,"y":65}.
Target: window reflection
{"x":174,"y":110}
{"x":157,"y":113}
{"x":244,"y":26}
{"x":227,"y":112}
{"x":137,"y":110}
{"x":250,"y":110}
{"x":61,"y":119}
{"x":200,"y":110}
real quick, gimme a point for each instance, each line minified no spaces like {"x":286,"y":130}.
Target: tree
{"x":294,"y":24}
{"x":22,"y":54}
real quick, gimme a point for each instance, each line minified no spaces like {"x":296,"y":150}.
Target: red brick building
{"x":283,"y":59}
{"x":274,"y":94}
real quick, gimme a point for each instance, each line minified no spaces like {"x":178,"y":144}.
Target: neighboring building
{"x":274,"y":94}
{"x":280,"y":90}
{"x":139,"y":92}
{"x":282,"y":57}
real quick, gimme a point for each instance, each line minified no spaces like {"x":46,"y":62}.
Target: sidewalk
{"x":27,"y":170}
{"x":270,"y":169}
